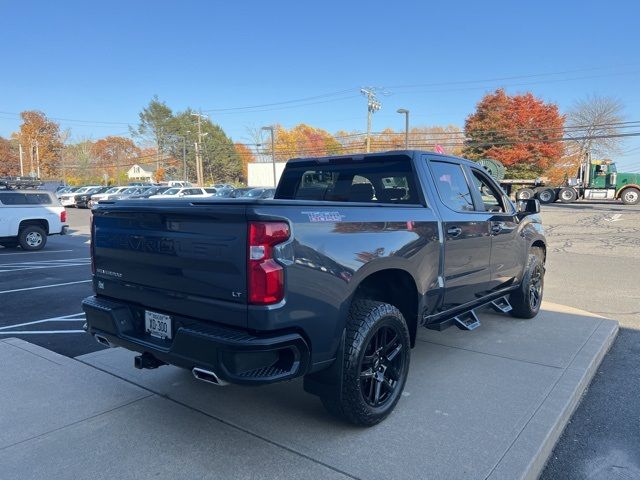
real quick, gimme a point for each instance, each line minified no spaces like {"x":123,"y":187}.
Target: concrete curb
{"x":543,"y":430}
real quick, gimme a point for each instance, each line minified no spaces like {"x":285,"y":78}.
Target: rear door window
{"x":452,"y":186}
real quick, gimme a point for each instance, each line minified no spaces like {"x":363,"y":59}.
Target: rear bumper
{"x":235,"y":355}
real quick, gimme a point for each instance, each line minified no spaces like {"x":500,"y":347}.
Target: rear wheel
{"x":546,"y":195}
{"x":524,"y":194}
{"x":375,"y":364}
{"x":32,"y":237}
{"x":630,"y":196}
{"x":526,"y":300}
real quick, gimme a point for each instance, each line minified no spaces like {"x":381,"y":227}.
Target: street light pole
{"x":273,"y":154}
{"x":406,"y":126}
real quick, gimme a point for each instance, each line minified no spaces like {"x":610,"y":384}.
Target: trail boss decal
{"x":324,"y":216}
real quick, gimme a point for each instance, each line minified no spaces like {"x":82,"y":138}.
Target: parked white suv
{"x":27,"y":217}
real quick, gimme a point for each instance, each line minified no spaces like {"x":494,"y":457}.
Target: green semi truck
{"x":595,"y":180}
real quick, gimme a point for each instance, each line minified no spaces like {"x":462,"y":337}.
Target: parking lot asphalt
{"x":40,"y":292}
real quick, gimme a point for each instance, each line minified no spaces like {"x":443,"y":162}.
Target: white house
{"x":142,"y":172}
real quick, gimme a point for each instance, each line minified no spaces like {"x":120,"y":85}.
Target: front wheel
{"x":630,"y":196}
{"x":526,"y":300}
{"x":375,"y":364}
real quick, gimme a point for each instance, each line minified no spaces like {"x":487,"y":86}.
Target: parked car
{"x":225,"y":186}
{"x":82,"y":199}
{"x":240,"y":192}
{"x":66,"y":190}
{"x":179,"y":183}
{"x":68,"y":199}
{"x":224,"y":193}
{"x":329,"y":281}
{"x":260,"y":193}
{"x":127,"y":193}
{"x":181,"y":192}
{"x":95,"y":198}
{"x":149,"y":192}
{"x":27,"y":217}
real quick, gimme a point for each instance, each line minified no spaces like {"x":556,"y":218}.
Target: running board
{"x":501,"y":305}
{"x":467,"y":321}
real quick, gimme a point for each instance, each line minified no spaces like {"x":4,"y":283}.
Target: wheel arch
{"x":539,"y":243}
{"x":40,"y":222}
{"x":626,"y":187}
{"x":396,"y":287}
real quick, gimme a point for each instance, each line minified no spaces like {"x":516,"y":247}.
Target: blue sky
{"x":96,"y":65}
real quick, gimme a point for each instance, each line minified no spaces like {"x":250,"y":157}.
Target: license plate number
{"x":157,"y":324}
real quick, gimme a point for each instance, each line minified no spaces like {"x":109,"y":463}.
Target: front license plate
{"x":157,"y":324}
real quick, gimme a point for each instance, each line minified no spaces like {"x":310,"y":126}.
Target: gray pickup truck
{"x":330,"y":280}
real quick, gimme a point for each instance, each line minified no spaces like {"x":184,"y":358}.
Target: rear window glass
{"x":19,"y":198}
{"x":379,"y":180}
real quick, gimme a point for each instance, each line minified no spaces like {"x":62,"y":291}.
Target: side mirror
{"x":528,"y":207}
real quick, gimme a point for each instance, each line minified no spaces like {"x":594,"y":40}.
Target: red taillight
{"x":92,"y":247}
{"x":63,"y":216}
{"x":265,"y":276}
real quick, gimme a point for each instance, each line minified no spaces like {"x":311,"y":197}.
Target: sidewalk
{"x":484,"y":404}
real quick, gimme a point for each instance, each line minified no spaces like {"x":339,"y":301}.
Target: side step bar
{"x":501,"y":305}
{"x":467,"y":321}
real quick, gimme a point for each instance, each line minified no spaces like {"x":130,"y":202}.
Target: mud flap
{"x":328,"y":382}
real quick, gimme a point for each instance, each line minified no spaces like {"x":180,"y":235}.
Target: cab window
{"x":492,"y":200}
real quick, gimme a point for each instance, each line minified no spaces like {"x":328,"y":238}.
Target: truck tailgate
{"x":174,"y":257}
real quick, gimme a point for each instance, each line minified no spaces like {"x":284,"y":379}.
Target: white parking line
{"x":39,"y":265}
{"x":65,"y":318}
{"x":40,"y":332}
{"x":33,"y":253}
{"x":43,"y":286}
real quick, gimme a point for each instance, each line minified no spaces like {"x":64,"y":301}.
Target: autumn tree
{"x":40,"y":138}
{"x":80,"y":162}
{"x":246,"y":157}
{"x":303,"y":141}
{"x":521,"y":131}
{"x":9,"y":158}
{"x":114,"y":154}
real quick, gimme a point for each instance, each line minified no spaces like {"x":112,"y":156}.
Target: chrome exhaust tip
{"x":208,"y":376}
{"x":102,"y":340}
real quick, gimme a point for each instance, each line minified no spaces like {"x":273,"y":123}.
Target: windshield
{"x":129,"y":191}
{"x":172,"y":191}
{"x":256,"y":192}
{"x":82,"y":190}
{"x":113,"y":190}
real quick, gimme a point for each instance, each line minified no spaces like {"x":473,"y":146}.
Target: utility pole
{"x":406,"y":126}
{"x":273,"y":153}
{"x":184,"y":158}
{"x":373,"y":105}
{"x":38,"y":158}
{"x":199,"y":167}
{"x":21,"y":162}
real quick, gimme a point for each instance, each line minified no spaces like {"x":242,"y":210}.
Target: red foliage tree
{"x":521,"y":131}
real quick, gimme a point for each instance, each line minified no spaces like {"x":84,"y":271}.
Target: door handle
{"x":454,"y":231}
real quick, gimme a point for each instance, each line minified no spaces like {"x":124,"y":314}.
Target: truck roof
{"x":362,"y":156}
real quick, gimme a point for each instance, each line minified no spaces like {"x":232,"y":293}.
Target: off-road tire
{"x":366,"y":318}
{"x":630,"y":196}
{"x":525,"y":194}
{"x":526,"y":300}
{"x":32,"y":237}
